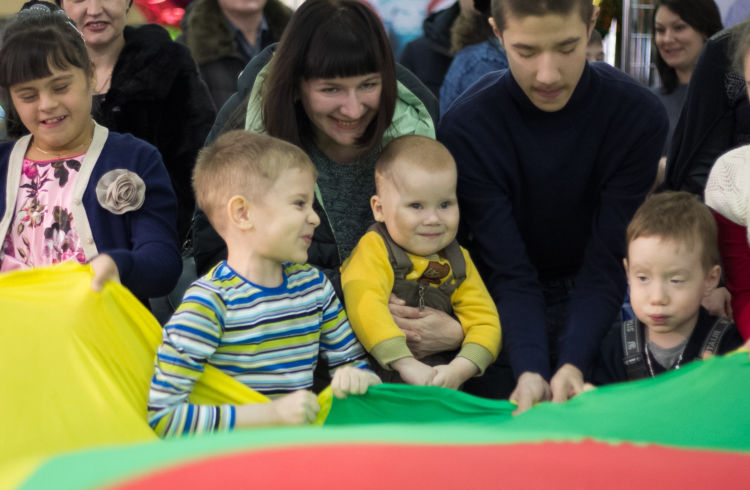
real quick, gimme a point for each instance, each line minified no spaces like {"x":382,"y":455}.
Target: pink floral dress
{"x":42,"y":231}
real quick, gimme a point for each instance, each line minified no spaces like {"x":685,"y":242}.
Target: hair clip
{"x":42,"y":7}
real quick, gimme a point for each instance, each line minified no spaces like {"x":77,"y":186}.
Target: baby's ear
{"x":713,"y":276}
{"x":240,"y":212}
{"x":377,"y":208}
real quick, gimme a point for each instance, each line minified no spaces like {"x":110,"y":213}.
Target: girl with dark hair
{"x":681,"y":29}
{"x":71,"y":190}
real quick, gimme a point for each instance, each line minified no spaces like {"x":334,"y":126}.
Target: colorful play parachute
{"x":76,"y":367}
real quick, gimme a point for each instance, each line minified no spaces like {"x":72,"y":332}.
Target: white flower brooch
{"x":119,"y":191}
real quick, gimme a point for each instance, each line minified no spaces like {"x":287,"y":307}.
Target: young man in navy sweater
{"x":554,"y":156}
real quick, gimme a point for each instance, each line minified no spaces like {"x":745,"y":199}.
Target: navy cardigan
{"x":143,"y":243}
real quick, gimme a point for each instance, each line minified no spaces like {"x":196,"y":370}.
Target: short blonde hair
{"x":418,"y":151}
{"x":678,"y":216}
{"x":242,"y":163}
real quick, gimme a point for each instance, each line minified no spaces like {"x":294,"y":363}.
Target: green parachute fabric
{"x":77,"y":366}
{"x":686,"y":427}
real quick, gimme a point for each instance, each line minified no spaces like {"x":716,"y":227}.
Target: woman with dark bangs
{"x":331,"y":87}
{"x":681,"y":29}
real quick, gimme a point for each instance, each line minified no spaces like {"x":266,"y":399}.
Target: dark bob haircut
{"x":37,"y":40}
{"x":503,"y":9}
{"x":701,"y":15}
{"x":327,"y":39}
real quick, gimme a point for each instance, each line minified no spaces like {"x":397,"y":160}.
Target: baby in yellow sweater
{"x":412,"y":252}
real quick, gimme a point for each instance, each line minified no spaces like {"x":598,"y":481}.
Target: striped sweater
{"x":267,"y":338}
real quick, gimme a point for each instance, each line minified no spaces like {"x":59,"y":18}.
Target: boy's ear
{"x":713,"y":276}
{"x":377,"y":208}
{"x":240,"y":213}
{"x":496,"y":31}
{"x":592,"y":22}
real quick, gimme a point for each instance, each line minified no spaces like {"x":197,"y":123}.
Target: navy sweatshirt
{"x":549,"y":195}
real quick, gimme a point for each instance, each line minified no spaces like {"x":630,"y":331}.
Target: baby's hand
{"x":413,"y":372}
{"x":300,"y":407}
{"x":351,"y":380}
{"x":455,"y":374}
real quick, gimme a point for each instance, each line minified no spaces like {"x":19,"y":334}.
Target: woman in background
{"x":146,"y":85}
{"x":681,"y":29}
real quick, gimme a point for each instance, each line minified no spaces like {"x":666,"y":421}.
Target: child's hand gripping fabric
{"x":455,"y":374}
{"x":414,"y":372}
{"x":298,"y":408}
{"x":105,"y":270}
{"x":351,"y":380}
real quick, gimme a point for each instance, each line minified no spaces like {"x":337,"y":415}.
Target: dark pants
{"x":498,"y":381}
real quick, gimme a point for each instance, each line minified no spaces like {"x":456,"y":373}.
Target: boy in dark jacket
{"x":672,"y":263}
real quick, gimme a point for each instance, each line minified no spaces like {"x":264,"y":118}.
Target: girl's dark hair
{"x":327,"y":39}
{"x":37,"y":38}
{"x":701,"y":15}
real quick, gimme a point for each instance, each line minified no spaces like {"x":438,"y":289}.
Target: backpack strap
{"x":632,"y":348}
{"x":713,"y":339}
{"x":399,"y":260}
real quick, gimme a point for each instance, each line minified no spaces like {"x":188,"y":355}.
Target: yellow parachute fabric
{"x":76,"y":367}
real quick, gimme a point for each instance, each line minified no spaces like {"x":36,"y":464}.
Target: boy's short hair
{"x":678,"y":216}
{"x":415,"y":150}
{"x":242,"y":163}
{"x":503,"y":9}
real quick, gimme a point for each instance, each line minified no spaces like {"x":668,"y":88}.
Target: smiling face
{"x":284,"y":218}
{"x":242,"y":7}
{"x":678,"y":43}
{"x":56,"y":109}
{"x":546,"y":55}
{"x":102,"y":22}
{"x":667,"y":284}
{"x":419,"y":207}
{"x":340,"y":109}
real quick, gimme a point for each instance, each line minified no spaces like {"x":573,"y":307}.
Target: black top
{"x":714,"y":119}
{"x":157,"y":95}
{"x":610,"y":368}
{"x":429,"y":56}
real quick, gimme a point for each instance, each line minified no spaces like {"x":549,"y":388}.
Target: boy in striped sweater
{"x":262,"y":316}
